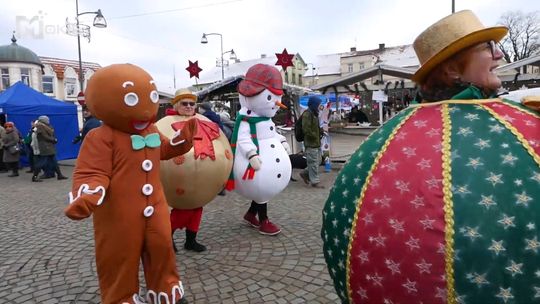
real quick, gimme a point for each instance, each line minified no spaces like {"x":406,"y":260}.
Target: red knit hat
{"x":260,"y":77}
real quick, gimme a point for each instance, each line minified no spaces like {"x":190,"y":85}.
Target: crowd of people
{"x":38,"y":147}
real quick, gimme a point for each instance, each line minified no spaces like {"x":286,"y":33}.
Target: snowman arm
{"x":254,"y":160}
{"x":244,"y":143}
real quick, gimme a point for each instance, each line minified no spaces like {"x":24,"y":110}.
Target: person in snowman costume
{"x":262,"y":168}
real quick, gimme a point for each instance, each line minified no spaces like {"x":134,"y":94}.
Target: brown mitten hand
{"x":86,"y":201}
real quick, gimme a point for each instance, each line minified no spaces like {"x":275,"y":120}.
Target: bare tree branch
{"x":523,"y":39}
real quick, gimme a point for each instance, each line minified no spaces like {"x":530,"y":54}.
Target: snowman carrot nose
{"x":279,"y":104}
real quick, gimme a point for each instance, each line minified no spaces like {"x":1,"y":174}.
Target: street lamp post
{"x":78,"y":29}
{"x":312,"y":72}
{"x":204,"y":40}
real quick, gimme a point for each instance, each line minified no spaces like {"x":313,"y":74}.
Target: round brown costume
{"x":116,"y":179}
{"x":191,"y":181}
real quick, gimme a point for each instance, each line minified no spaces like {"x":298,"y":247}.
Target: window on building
{"x":361,"y":66}
{"x":5,"y":79}
{"x":350,"y":67}
{"x":71,"y":87}
{"x":48,"y":87}
{"x":25,"y":76}
{"x":299,"y":79}
{"x":293,"y":78}
{"x":286,"y":77}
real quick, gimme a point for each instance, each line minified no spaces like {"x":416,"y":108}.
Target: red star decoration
{"x":193,"y":69}
{"x":284,"y":59}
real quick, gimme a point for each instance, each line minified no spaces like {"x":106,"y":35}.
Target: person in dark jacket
{"x":205,"y":109}
{"x":3,"y":168}
{"x":312,"y":142}
{"x":47,"y":150}
{"x":90,"y":122}
{"x":11,"y":149}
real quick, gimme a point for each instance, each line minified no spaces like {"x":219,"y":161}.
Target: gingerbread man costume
{"x":117,"y":179}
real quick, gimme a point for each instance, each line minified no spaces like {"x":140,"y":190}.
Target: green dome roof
{"x":16,"y":53}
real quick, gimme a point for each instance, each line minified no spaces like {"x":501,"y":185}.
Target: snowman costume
{"x":262,"y":168}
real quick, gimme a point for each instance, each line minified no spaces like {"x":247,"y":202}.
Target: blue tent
{"x":344,"y":101}
{"x":22,"y":105}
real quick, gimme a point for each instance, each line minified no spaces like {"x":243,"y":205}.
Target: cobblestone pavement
{"x":47,"y":258}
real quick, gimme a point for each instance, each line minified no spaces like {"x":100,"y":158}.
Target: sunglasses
{"x":185,"y":104}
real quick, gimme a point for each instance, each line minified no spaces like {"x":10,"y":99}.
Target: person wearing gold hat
{"x":456,"y":219}
{"x":458,"y":55}
{"x":205,"y":166}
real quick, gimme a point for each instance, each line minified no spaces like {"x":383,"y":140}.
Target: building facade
{"x":55,"y":77}
{"x":327,"y":68}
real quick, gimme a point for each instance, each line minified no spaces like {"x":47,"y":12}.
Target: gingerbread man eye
{"x":154,"y":96}
{"x":269,"y":97}
{"x":131,"y":99}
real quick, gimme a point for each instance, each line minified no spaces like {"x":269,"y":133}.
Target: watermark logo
{"x":35,"y":26}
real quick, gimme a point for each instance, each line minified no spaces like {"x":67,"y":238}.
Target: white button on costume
{"x":148,"y":211}
{"x":147,"y":165}
{"x":147,"y":189}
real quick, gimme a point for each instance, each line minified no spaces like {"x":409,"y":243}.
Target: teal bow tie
{"x":152,"y":141}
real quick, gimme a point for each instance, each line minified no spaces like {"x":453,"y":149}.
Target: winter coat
{"x":11,"y":139}
{"x":46,"y":139}
{"x":90,"y":123}
{"x":312,"y":131}
{"x":2,"y":134}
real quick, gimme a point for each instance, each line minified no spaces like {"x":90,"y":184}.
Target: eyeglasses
{"x":185,"y":104}
{"x":494,"y":48}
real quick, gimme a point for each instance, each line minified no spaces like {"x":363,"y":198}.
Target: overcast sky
{"x":163,"y":35}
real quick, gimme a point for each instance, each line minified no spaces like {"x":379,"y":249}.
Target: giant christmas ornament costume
{"x":192,"y":180}
{"x":440,"y":204}
{"x":262,"y":168}
{"x":116,"y":179}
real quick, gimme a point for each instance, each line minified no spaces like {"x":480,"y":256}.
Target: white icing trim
{"x":180,"y":289}
{"x":84,"y":188}
{"x":150,"y":293}
{"x":176,"y":134}
{"x":157,"y":297}
{"x":162,"y":294}
{"x":137,"y":299}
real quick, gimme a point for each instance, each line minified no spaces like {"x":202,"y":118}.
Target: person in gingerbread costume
{"x":206,"y":166}
{"x":262,"y":168}
{"x":116,"y":179}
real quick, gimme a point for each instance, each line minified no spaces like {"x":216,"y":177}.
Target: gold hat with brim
{"x":183,"y":94}
{"x":448,"y":36}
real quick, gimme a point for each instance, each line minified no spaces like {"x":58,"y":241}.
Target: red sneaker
{"x":251,"y":219}
{"x":268,"y":228}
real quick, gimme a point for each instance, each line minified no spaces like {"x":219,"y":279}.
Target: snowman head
{"x":265,"y":104}
{"x":261,"y":91}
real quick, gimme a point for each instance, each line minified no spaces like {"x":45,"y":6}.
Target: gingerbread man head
{"x":123,"y":96}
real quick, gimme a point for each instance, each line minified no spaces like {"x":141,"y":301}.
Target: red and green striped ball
{"x":440,"y":205}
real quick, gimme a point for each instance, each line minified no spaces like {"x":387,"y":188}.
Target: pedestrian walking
{"x":11,"y":147}
{"x":47,"y":150}
{"x":312,"y":143}
{"x":3,"y":168}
